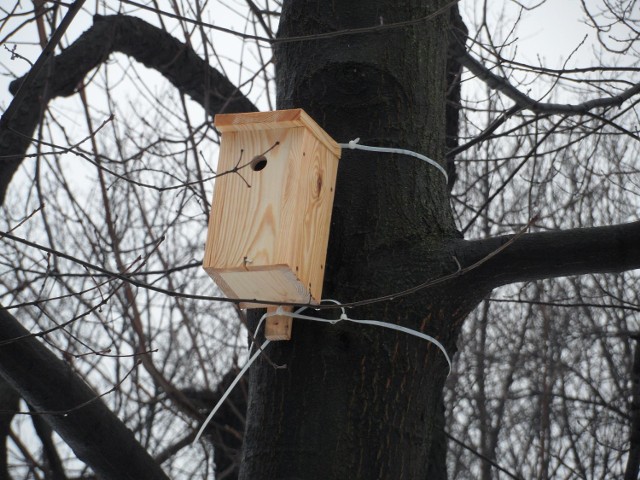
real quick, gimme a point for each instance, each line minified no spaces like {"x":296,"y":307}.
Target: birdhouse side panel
{"x":307,"y":206}
{"x":246,"y":211}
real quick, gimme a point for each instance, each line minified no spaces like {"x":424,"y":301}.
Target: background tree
{"x":119,"y":177}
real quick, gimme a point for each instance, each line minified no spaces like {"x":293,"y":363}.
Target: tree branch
{"x":523,"y":101}
{"x":151,"y":46}
{"x":95,"y":434}
{"x":52,"y":462}
{"x":534,"y":256}
{"x":46,"y":54}
{"x":454,"y":85}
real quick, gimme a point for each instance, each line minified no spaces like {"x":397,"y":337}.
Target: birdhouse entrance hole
{"x":269,"y":227}
{"x":258,"y":163}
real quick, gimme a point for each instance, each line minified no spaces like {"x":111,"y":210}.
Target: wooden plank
{"x":276,"y":284}
{"x":245,"y":217}
{"x":257,"y":121}
{"x":278,"y":327}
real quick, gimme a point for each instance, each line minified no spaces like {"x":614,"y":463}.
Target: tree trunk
{"x":633,"y":461}
{"x":356,"y":401}
{"x":9,"y":403}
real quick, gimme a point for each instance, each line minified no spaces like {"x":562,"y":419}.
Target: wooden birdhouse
{"x":271,"y":212}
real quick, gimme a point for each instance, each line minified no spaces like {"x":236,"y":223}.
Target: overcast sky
{"x":550,"y":32}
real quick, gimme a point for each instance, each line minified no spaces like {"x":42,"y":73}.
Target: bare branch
{"x":149,"y":45}
{"x":523,"y":101}
{"x":534,"y":256}
{"x":94,"y":433}
{"x":25,"y":85}
{"x":9,"y":401}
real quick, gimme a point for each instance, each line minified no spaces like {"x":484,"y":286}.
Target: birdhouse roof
{"x":257,"y":121}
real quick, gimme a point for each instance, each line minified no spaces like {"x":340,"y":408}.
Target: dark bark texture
{"x":609,"y":249}
{"x":359,"y":402}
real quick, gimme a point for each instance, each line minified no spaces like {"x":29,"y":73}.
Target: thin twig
{"x":127,"y":278}
{"x":46,"y":54}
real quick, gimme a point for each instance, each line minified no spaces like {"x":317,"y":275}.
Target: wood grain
{"x":269,"y":229}
{"x":278,"y":327}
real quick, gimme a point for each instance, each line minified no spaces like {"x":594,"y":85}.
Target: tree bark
{"x":608,"y":249}
{"x":358,"y":402}
{"x":95,"y":434}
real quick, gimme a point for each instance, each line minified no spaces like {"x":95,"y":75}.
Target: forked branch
{"x":522,"y":100}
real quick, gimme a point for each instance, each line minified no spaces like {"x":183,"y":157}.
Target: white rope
{"x":353,"y":144}
{"x":377,"y":323}
{"x":230,"y":388}
{"x":298,"y":315}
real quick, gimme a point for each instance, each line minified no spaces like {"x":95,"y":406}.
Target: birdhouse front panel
{"x":269,"y":224}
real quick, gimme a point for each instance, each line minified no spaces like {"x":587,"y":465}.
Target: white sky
{"x":551,"y":31}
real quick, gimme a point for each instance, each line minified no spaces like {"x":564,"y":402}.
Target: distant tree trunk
{"x":633,"y":462}
{"x":9,"y":402}
{"x":354,"y":401}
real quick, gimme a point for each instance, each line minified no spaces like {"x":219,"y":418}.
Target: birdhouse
{"x":271,"y":212}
